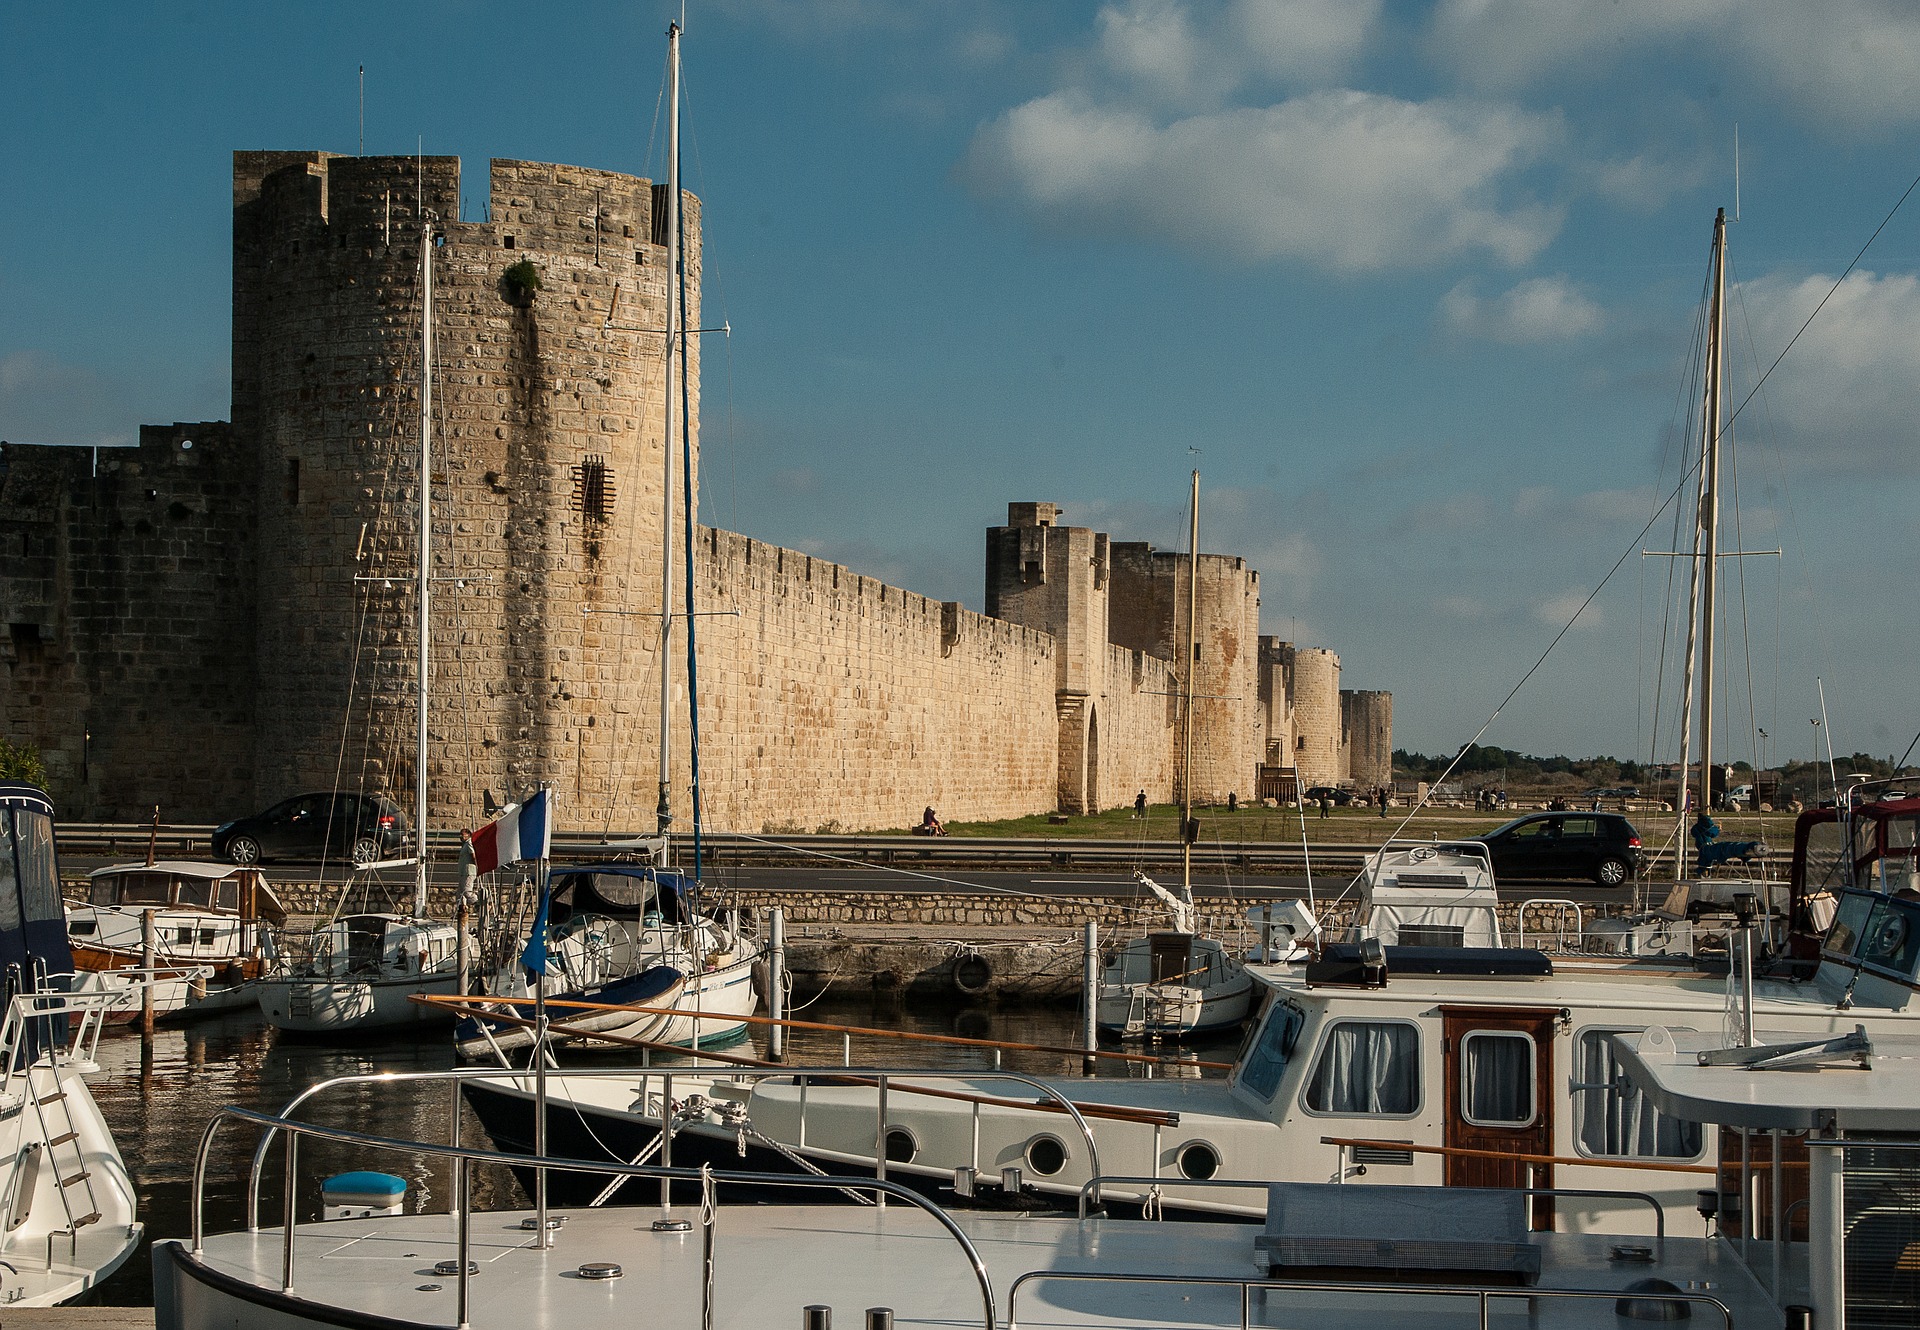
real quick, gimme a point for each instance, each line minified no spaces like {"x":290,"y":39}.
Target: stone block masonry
{"x":211,"y":628}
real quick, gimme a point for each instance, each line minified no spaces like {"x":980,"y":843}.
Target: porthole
{"x":1046,"y":1155}
{"x":902,"y":1146}
{"x":1197,"y":1160}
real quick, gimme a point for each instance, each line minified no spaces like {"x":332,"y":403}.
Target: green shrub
{"x":22,"y":762}
{"x":522,"y":278}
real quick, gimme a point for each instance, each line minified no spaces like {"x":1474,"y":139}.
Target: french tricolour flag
{"x":524,"y":831}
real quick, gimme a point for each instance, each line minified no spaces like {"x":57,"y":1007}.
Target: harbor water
{"x":158,"y":1096}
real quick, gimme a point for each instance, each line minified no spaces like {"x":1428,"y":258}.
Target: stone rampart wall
{"x":126,"y":621}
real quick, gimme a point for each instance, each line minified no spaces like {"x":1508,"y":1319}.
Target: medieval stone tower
{"x":547,"y":467}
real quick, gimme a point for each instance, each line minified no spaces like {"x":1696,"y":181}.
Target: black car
{"x":334,"y":825}
{"x":1601,"y":846}
{"x":1338,"y":797}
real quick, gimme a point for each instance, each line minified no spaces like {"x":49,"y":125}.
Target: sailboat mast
{"x":1193,"y":656}
{"x":424,"y":571}
{"x":1710,"y":501}
{"x":664,"y":810}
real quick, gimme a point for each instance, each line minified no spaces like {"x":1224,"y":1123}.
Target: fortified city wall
{"x":233,"y":621}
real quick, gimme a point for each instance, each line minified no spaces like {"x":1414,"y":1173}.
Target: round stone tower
{"x":546,"y":483}
{"x":1367,"y":717}
{"x":1316,"y":717}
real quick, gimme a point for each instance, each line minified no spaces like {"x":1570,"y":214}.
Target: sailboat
{"x":636,"y":933}
{"x":361,"y":971}
{"x":1171,"y":984}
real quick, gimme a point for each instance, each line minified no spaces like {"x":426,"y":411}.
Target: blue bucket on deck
{"x":360,"y":1195}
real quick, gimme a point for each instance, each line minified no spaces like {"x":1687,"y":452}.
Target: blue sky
{"x":1418,"y":279}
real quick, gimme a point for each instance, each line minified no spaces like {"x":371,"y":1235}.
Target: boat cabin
{"x":382,"y":944}
{"x":185,"y":885}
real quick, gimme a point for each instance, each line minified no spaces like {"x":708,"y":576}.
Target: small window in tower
{"x":593,"y":489}
{"x":293,"y":482}
{"x":508,"y":242}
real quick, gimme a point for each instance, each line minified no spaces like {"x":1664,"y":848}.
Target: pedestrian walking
{"x":1140,"y":804}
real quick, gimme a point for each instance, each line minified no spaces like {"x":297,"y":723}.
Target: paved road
{"x":1041,"y":882}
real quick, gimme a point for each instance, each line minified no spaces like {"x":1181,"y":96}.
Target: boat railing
{"x":1564,"y":929}
{"x":884,"y":1079}
{"x":91,"y":1005}
{"x":1484,"y":1297}
{"x":460,"y":1201}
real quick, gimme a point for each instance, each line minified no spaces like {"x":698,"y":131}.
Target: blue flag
{"x":534,"y":958}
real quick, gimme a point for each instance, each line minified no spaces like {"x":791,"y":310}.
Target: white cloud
{"x":1352,"y":181}
{"x":1540,"y":309}
{"x":1849,"y":62}
{"x":1848,"y":393}
{"x":1178,"y":53}
{"x":1556,"y":610}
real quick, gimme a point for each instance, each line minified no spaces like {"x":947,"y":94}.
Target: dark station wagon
{"x":1601,"y":846}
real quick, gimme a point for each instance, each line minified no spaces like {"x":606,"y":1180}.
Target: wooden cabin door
{"x":1172,"y":958}
{"x":1499,"y":1086}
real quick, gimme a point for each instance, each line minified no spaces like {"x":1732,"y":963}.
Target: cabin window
{"x":1892,"y":937}
{"x":206,"y":937}
{"x":1367,"y":1068}
{"x":198,"y":894}
{"x":1266,"y":1059}
{"x":1612,"y":1118}
{"x":229,"y":895}
{"x":146,"y":890}
{"x":1497,"y":1078}
{"x":1848,"y":921}
{"x":1433,"y":935}
{"x":183,"y":937}
{"x":1826,"y":852}
{"x":101,"y":893}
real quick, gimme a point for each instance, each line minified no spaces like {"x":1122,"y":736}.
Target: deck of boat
{"x":772,"y":1261}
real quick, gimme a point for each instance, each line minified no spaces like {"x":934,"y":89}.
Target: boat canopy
{"x":1867,"y":845}
{"x":33,"y":919}
{"x":189,"y":884}
{"x":1418,"y":894}
{"x":620,"y":890}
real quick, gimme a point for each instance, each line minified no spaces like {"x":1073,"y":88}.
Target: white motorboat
{"x":211,"y":931}
{"x":1813,"y":1212}
{"x":67,"y":1208}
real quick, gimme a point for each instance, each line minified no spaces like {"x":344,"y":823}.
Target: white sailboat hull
{"x":316,"y":1006}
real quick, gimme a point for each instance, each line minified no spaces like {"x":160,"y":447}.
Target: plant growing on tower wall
{"x":22,"y":762}
{"x":521,"y":281}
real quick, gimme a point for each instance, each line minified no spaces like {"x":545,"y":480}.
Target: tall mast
{"x":424,"y":572}
{"x":664,"y":810}
{"x":1193,"y":655}
{"x":1710,"y":501}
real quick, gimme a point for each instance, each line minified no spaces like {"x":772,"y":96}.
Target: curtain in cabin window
{"x":1367,"y":1067}
{"x":1496,"y":1078}
{"x":1613,"y":1118}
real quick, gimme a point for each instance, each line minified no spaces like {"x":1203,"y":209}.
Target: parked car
{"x":1601,"y":846}
{"x":1341,"y":798}
{"x":335,"y":825}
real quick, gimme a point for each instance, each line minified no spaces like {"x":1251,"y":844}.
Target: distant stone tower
{"x":546,"y":488}
{"x":1316,"y":717}
{"x":1149,"y":613}
{"x":1054,"y":578}
{"x":1367,"y":723}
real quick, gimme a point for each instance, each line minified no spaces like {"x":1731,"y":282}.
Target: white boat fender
{"x":362,"y":1195}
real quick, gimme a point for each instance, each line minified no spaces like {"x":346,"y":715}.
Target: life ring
{"x":972,"y":975}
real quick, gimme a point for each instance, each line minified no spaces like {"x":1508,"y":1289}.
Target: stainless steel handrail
{"x":1246,"y":1286}
{"x":802,"y":1075}
{"x":466,"y":1156}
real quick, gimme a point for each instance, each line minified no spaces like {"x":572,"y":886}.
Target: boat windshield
{"x":1265,"y":1061}
{"x":1878,"y":931}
